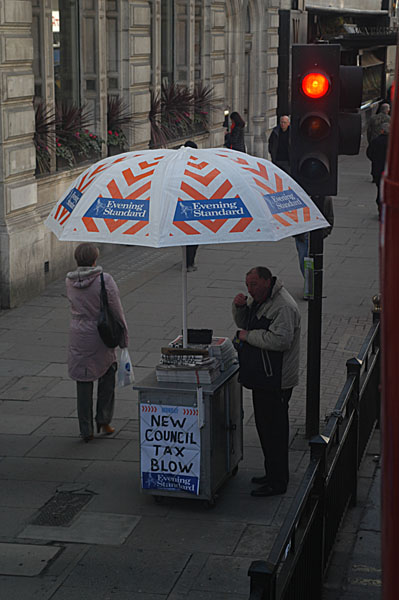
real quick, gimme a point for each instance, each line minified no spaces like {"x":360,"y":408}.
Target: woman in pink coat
{"x":89,"y":359}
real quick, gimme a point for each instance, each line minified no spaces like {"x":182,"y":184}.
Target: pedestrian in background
{"x":89,"y":359}
{"x":377,"y":153}
{"x":191,"y":251}
{"x":374,"y":126}
{"x":302,"y":239}
{"x":279,"y":144}
{"x":268,"y":345}
{"x":234,"y":139}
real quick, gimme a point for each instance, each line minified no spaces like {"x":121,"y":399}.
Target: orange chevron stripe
{"x":261,"y":171}
{"x":131,"y":179}
{"x":265,"y":187}
{"x":141,"y":190}
{"x":203,"y":179}
{"x":61,"y":209}
{"x":64,"y":217}
{"x":135,"y":228}
{"x":82,"y":181}
{"x":241,"y":225}
{"x":281,"y":220}
{"x":145,"y":164}
{"x":113,"y":224}
{"x":306,"y":214}
{"x":292,"y":214}
{"x":199,"y":166}
{"x":279,"y":183}
{"x":241,"y":161}
{"x":185,"y":228}
{"x":89,"y":223}
{"x":222,"y":190}
{"x":214,"y":225}
{"x":195,"y":194}
{"x":113,"y":189}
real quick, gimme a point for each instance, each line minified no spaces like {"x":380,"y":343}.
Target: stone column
{"x":214,"y":64}
{"x":139,"y":58}
{"x":21,"y":232}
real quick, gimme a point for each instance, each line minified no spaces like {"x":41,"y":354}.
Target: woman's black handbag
{"x":109,"y":328}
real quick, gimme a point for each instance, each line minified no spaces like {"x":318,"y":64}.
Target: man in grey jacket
{"x":268,"y":349}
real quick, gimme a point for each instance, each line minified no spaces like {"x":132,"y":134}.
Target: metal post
{"x":263,"y":580}
{"x":314,"y":331}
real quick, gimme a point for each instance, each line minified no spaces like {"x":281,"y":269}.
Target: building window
{"x":65,"y":30}
{"x":167,"y":40}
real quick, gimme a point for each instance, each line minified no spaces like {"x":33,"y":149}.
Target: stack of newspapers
{"x":190,"y":367}
{"x":197,"y":363}
{"x":222,"y":348}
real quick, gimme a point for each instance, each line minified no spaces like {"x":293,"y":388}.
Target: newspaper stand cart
{"x":220,"y":436}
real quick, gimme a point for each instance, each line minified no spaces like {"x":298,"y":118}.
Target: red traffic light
{"x":315,"y":85}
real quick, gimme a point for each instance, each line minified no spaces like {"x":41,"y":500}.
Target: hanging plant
{"x":203,"y":105}
{"x":43,"y":138}
{"x":74,"y":139}
{"x":118,"y":117}
{"x":176,"y":109}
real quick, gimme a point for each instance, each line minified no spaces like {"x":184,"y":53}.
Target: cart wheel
{"x":234,"y":471}
{"x":159,"y":499}
{"x":211,"y":503}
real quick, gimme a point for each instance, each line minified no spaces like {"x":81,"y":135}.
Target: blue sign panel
{"x":282,"y":202}
{"x":200,"y":210}
{"x":71,"y":199}
{"x":170,"y":483}
{"x":116,"y":208}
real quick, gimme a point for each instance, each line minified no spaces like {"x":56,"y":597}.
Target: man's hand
{"x":243,"y":335}
{"x":240,"y":300}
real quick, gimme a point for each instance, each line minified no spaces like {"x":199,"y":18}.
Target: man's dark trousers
{"x":272,"y":425}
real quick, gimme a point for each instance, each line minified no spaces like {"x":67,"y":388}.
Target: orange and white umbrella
{"x":182,"y":197}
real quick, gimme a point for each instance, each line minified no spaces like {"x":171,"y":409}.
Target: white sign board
{"x":170,"y":448}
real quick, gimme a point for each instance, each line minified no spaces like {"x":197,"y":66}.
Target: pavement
{"x":73,"y":522}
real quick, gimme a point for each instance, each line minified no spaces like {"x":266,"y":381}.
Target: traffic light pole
{"x":314,"y":330}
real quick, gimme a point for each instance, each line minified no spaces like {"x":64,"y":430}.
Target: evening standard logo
{"x":199,"y":210}
{"x":282,"y":202}
{"x":170,"y":483}
{"x":71,"y":199}
{"x":115,"y":208}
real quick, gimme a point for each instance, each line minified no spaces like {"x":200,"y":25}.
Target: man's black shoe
{"x":267,"y":490}
{"x":259,"y":480}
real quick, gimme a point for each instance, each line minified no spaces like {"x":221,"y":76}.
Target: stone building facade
{"x":83,"y":52}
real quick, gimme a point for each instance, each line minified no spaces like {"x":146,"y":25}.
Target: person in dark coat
{"x":377,"y":152}
{"x":89,"y":359}
{"x":191,"y":251}
{"x":234,"y":139}
{"x":279,"y":144}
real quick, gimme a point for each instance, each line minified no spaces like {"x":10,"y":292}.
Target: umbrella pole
{"x":184,"y":299}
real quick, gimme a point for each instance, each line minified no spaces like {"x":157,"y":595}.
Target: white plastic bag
{"x":125,"y":369}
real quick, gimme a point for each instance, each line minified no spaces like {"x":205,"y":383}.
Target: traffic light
{"x":319,"y":132}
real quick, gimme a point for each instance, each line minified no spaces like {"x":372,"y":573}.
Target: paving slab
{"x":25,"y":560}
{"x":88,"y":528}
{"x":149,"y":571}
{"x":27,"y":387}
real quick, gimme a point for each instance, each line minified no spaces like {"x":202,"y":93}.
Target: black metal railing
{"x":300,"y":555}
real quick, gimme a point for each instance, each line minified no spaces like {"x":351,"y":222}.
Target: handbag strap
{"x":103,"y":292}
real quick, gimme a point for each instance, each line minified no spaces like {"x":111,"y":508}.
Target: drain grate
{"x":61,"y":509}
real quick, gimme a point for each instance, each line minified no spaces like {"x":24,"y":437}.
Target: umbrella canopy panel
{"x":162,"y":198}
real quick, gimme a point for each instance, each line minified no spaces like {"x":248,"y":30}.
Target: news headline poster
{"x":170,"y":448}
